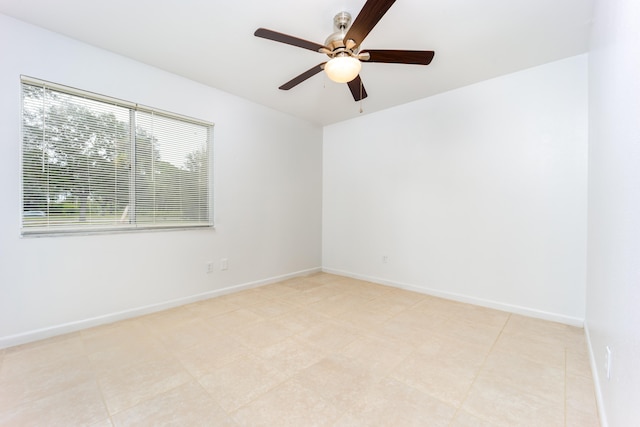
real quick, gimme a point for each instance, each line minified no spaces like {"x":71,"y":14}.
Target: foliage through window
{"x":92,"y":163}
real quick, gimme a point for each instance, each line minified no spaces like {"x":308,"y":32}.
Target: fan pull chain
{"x":360,"y":96}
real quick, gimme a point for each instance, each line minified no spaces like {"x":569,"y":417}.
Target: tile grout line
{"x":484,"y":362}
{"x":94,"y":373}
{"x":565,"y":388}
{"x":194,"y":378}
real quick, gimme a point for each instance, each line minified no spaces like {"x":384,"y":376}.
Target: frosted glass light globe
{"x":343,"y":69}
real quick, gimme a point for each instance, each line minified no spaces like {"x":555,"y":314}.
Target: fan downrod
{"x":341,"y":24}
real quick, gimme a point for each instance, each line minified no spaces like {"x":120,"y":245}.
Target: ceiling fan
{"x":343,"y":49}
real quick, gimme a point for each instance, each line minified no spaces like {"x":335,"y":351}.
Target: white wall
{"x":478,"y":194}
{"x":267,"y":199}
{"x":613,"y":278}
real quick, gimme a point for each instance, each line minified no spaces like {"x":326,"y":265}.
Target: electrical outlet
{"x":210,"y":267}
{"x":385,"y":259}
{"x":224,"y":264}
{"x":607,"y":362}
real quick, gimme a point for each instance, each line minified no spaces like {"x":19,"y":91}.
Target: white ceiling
{"x":212,"y":42}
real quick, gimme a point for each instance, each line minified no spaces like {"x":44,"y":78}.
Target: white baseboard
{"x":511,"y":308}
{"x":596,"y":378}
{"x":39,"y":334}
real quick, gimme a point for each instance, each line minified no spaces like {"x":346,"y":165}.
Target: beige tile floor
{"x":322,"y":350}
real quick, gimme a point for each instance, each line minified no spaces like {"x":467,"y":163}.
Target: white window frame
{"x":132,"y":224}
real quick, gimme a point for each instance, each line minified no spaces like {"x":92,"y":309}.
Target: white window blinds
{"x":91,"y":163}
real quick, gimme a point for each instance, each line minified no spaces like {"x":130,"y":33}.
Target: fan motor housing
{"x":341,"y":23}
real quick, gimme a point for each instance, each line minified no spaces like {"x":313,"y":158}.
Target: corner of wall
{"x":596,"y":378}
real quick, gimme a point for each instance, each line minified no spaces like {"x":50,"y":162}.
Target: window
{"x":92,"y":163}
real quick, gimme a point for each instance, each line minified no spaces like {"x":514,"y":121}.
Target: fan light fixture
{"x":343,"y":49}
{"x":343,"y":69}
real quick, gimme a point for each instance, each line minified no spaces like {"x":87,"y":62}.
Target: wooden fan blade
{"x":371,"y":13}
{"x":284,"y":38}
{"x":357,"y":89}
{"x":421,"y":57}
{"x":302,"y":77}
